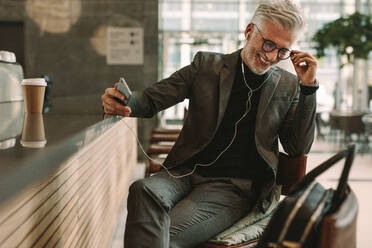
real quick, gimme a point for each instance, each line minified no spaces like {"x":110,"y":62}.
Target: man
{"x":225,"y":159}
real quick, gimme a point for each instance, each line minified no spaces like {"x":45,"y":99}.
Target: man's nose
{"x":272,"y":56}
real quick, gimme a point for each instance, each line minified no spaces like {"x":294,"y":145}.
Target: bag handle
{"x":342,"y":187}
{"x":339,"y":195}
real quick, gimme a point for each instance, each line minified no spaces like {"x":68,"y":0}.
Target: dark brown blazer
{"x":283,"y":112}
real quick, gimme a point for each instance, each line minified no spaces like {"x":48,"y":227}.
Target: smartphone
{"x":124,"y":89}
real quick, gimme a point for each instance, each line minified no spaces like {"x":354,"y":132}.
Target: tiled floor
{"x":360,"y":181}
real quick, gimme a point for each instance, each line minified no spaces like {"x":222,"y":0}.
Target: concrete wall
{"x":66,"y":39}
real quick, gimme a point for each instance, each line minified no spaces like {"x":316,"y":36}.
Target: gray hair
{"x":283,"y":12}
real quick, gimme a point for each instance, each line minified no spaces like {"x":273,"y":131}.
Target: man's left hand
{"x":305,"y":66}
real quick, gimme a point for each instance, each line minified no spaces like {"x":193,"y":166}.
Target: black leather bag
{"x":297,"y":220}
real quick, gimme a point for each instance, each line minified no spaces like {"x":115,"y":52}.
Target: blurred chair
{"x":348,"y":123}
{"x":367,"y":120}
{"x":161,"y":142}
{"x":322,"y":124}
{"x":47,"y":98}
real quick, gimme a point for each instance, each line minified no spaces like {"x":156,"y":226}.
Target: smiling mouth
{"x":263,"y":60}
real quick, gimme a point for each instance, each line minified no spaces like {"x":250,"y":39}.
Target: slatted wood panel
{"x":78,"y":204}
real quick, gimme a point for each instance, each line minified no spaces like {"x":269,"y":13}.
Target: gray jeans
{"x":179,"y":213}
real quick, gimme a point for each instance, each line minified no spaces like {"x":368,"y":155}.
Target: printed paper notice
{"x":124,"y":46}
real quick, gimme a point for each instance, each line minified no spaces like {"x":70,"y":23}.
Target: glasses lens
{"x":284,"y":53}
{"x":268,"y":46}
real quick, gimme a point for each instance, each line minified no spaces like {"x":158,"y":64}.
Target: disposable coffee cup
{"x":33,"y":133}
{"x":33,"y":94}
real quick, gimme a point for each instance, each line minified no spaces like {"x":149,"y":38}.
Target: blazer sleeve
{"x":297,"y":132}
{"x":166,"y":92}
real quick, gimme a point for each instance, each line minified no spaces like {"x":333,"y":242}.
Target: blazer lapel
{"x":227,"y":77}
{"x":267,"y":93}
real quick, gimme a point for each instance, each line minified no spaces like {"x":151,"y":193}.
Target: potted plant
{"x":351,"y":36}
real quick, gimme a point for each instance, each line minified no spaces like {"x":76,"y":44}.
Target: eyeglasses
{"x":269,"y":46}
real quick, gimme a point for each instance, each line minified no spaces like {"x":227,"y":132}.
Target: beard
{"x":256,"y":60}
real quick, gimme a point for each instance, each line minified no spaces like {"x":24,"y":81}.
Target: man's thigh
{"x":149,"y":204}
{"x":166,"y":189}
{"x":209,"y":209}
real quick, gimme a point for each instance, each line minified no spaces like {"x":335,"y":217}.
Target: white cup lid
{"x":33,"y":144}
{"x":34,"y":81}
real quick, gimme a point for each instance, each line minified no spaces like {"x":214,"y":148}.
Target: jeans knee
{"x":137,"y":186}
{"x":136,"y":189}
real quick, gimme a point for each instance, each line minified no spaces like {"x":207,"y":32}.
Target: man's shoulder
{"x":286,"y":75}
{"x":207,"y":57}
{"x":288,"y":81}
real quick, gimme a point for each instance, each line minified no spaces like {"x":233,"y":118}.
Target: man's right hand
{"x":113,"y":107}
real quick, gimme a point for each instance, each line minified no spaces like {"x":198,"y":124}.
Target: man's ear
{"x":248,"y":30}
